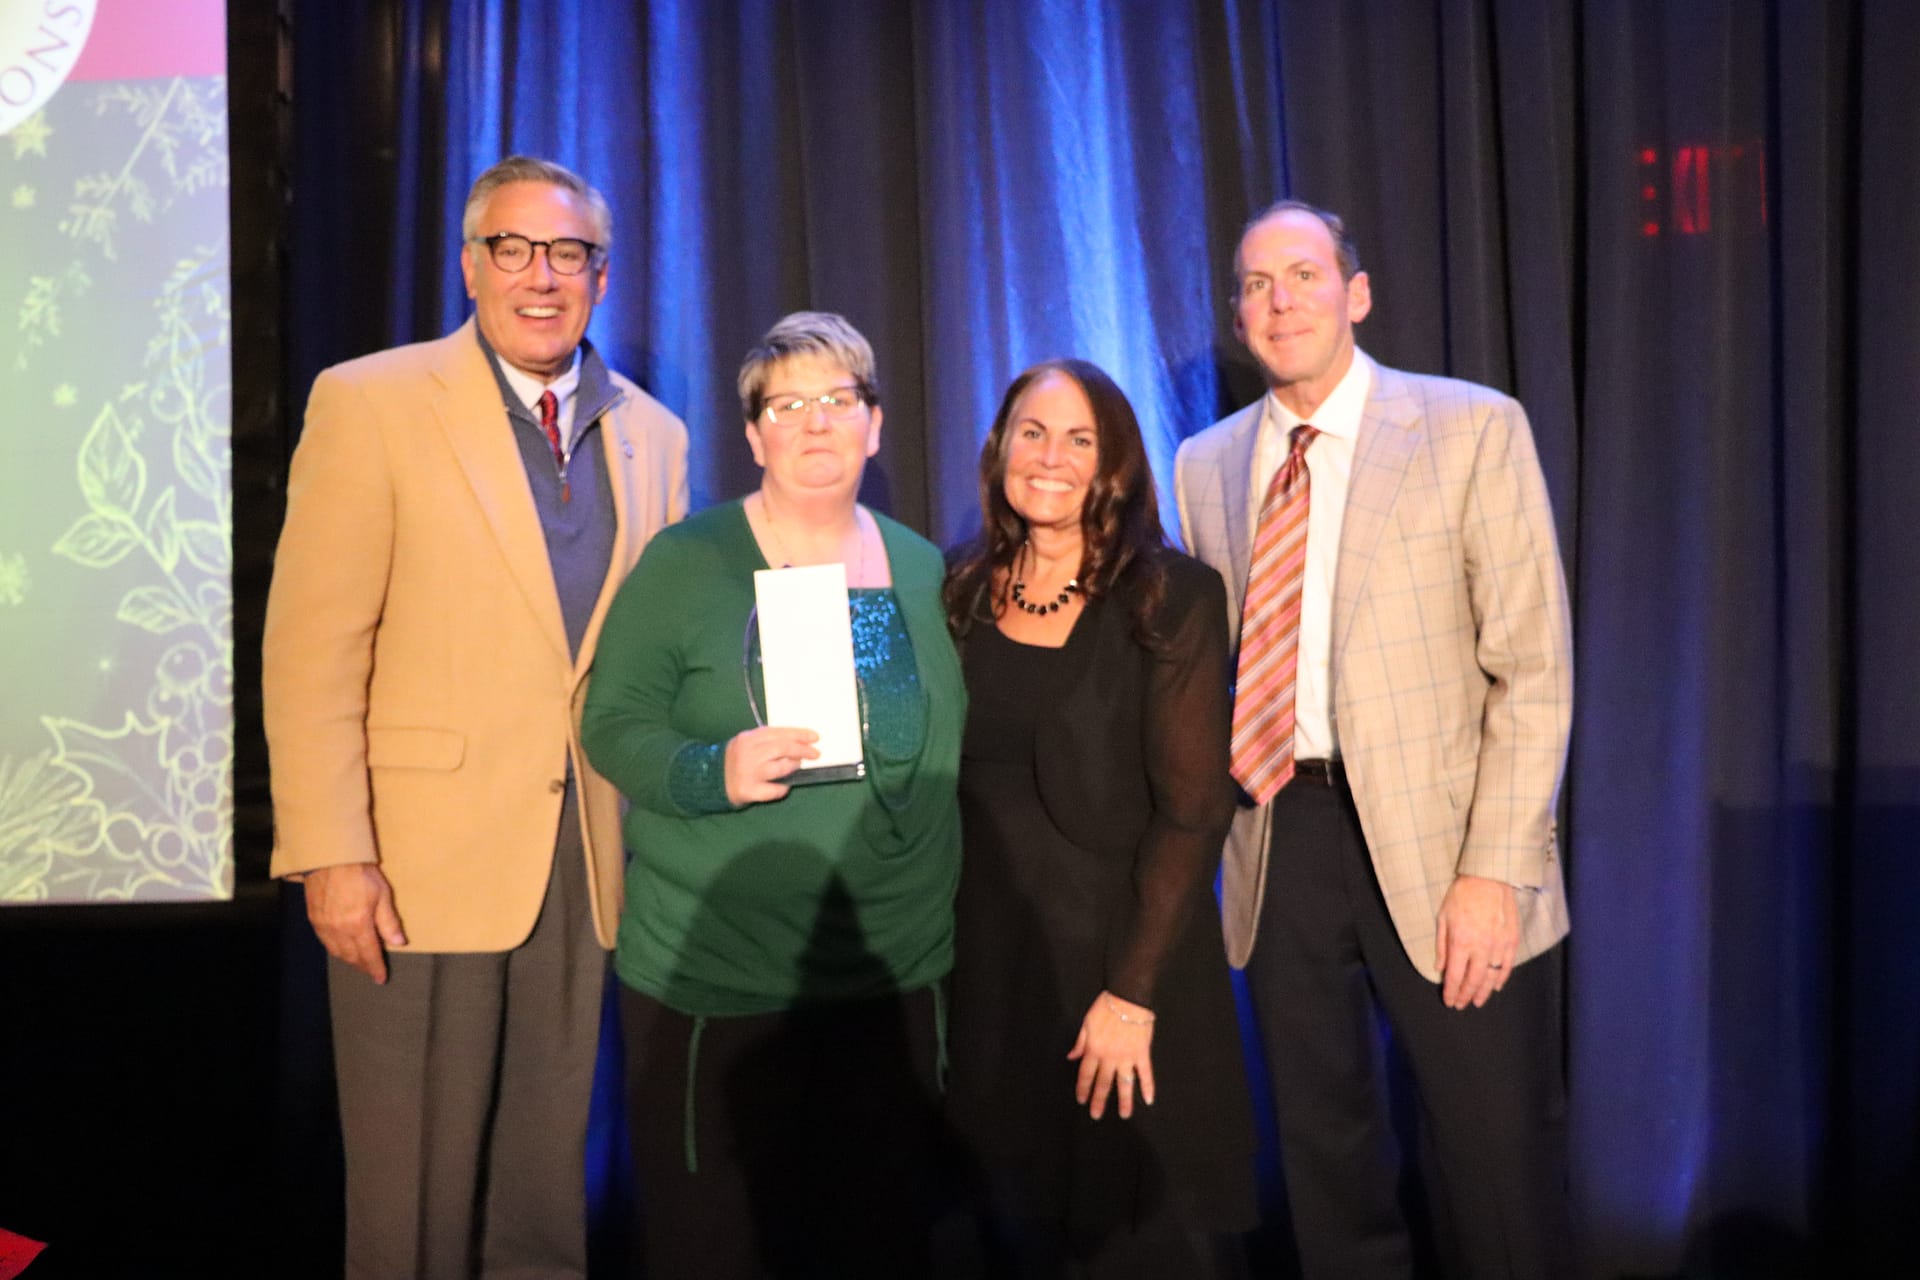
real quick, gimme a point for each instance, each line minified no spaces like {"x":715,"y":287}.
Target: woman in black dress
{"x":1096,"y":1074}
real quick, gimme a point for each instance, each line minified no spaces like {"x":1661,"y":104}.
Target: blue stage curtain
{"x":1681,"y":234}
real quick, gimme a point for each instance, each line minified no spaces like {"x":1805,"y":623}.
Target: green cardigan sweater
{"x":839,"y":891}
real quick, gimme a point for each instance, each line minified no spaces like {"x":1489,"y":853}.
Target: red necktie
{"x":550,"y":423}
{"x":1270,"y":631}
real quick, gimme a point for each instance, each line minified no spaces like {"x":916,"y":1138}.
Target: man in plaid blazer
{"x":1409,"y":867}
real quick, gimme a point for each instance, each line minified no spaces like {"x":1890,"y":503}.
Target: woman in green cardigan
{"x":782,"y":945}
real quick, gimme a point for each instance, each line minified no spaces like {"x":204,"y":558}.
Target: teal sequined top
{"x":840,"y":891}
{"x":893,"y":712}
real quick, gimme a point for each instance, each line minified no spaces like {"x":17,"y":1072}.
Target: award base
{"x":826,"y":773}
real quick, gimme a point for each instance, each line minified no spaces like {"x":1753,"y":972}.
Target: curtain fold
{"x":1681,"y":234}
{"x":1880,"y":335}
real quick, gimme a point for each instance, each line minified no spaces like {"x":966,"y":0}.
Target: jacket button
{"x":557,"y":785}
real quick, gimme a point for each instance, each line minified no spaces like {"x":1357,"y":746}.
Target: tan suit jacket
{"x":1452,"y":664}
{"x":421,"y":703}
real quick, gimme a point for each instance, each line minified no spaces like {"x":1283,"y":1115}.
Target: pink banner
{"x":146,"y":39}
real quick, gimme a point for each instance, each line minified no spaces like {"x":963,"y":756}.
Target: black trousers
{"x":1490,"y":1081}
{"x":465,"y":1083}
{"x":800,"y":1143}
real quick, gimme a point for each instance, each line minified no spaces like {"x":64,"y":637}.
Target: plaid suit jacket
{"x":1452,"y":664}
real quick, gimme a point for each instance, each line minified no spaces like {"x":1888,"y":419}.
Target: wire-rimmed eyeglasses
{"x":840,"y":404}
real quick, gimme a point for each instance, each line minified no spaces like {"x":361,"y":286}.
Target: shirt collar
{"x":1340,"y":413}
{"x":529,"y":389}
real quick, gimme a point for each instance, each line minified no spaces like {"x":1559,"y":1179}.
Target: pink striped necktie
{"x":550,"y":423}
{"x":1270,"y":631}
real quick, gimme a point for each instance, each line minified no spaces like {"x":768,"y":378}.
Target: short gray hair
{"x":532,"y":169}
{"x":807,"y":333}
{"x":1345,"y":252}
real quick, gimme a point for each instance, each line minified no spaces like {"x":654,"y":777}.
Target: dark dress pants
{"x":464,"y":1088}
{"x":792,"y":1144}
{"x":1490,"y":1081}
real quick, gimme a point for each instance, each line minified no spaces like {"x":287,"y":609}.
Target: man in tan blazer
{"x":1408,"y":866}
{"x":459,"y":515}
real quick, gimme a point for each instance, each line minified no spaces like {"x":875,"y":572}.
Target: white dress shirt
{"x":530,"y":388}
{"x":1329,"y":466}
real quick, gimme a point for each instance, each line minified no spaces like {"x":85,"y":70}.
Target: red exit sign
{"x":1696,"y":188}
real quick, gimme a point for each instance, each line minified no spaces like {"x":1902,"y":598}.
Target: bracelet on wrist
{"x":1142,"y":1019}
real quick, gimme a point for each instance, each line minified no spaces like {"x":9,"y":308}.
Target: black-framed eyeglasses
{"x":513,"y":252}
{"x":840,"y":404}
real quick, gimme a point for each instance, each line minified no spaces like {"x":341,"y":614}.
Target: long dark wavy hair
{"x":1119,"y":525}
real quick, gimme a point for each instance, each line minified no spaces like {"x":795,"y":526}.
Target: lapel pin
{"x":626,"y":447}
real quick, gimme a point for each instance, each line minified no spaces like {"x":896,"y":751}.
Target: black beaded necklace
{"x":1020,"y":590}
{"x":1020,"y":597}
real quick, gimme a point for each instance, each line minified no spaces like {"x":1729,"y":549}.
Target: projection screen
{"x":116,"y":516}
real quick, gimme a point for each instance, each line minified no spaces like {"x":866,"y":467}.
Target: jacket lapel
{"x":1235,"y":461}
{"x":629,"y":531}
{"x":467,"y":405}
{"x":1385,"y":446}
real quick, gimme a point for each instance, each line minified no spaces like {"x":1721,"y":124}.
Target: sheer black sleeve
{"x":1186,"y":727}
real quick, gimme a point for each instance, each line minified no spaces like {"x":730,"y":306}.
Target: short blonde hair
{"x":807,"y":333}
